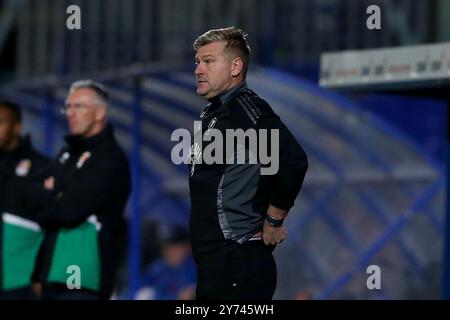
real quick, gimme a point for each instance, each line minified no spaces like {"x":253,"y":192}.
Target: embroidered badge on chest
{"x":64,"y":157}
{"x":211,"y":125}
{"x":195,"y":153}
{"x":23,"y":168}
{"x":84,"y":157}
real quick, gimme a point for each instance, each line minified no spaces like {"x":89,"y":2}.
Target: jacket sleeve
{"x":26,"y":197}
{"x":293,"y":164}
{"x":87,"y":194}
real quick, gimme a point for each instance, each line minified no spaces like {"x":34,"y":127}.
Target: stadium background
{"x":375,"y":190}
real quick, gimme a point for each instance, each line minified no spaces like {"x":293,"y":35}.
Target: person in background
{"x":19,"y":241}
{"x":81,"y":203}
{"x":172,"y":276}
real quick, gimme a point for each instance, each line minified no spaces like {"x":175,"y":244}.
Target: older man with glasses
{"x":81,"y":204}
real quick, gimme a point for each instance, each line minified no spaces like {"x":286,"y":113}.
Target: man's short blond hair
{"x":235,"y":42}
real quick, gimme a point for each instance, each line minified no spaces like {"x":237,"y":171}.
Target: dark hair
{"x":235,"y":39}
{"x":97,"y":87}
{"x":14,"y":108}
{"x":175,"y":234}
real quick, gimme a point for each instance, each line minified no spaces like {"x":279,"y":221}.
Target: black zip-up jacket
{"x":92,"y":176}
{"x":24,"y":161}
{"x":229,"y":201}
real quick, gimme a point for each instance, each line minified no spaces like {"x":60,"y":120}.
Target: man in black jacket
{"x":82,"y":202}
{"x":18,"y":158}
{"x":238,"y":207}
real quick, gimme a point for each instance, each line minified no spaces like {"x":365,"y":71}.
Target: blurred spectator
{"x":19,"y":239}
{"x":304,"y":295}
{"x":151,"y":241}
{"x":171,"y":277}
{"x":80,"y":205}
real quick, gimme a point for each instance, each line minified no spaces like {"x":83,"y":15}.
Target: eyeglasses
{"x":75,"y":106}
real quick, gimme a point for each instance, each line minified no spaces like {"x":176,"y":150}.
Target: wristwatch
{"x":274,"y":222}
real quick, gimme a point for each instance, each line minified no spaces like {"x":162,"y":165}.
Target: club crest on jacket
{"x":23,"y":168}
{"x":84,"y":157}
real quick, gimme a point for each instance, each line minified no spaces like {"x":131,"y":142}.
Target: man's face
{"x":175,"y":253}
{"x":82,"y":112}
{"x":9,"y":129}
{"x":214,"y":70}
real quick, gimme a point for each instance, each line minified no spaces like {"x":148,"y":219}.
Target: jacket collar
{"x":23,"y":148}
{"x":225,"y":96}
{"x":79,"y":142}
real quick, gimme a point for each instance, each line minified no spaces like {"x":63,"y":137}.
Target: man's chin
{"x":206,"y":94}
{"x":74,"y":132}
{"x":202,"y":89}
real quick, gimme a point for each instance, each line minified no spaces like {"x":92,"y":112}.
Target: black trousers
{"x":237,"y":272}
{"x":18,"y":294}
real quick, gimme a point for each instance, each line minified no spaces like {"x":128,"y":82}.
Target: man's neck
{"x":230,"y":91}
{"x":95,"y":131}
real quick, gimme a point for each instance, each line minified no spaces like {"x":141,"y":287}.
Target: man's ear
{"x":100,"y":113}
{"x":17,"y":128}
{"x":236,"y":67}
